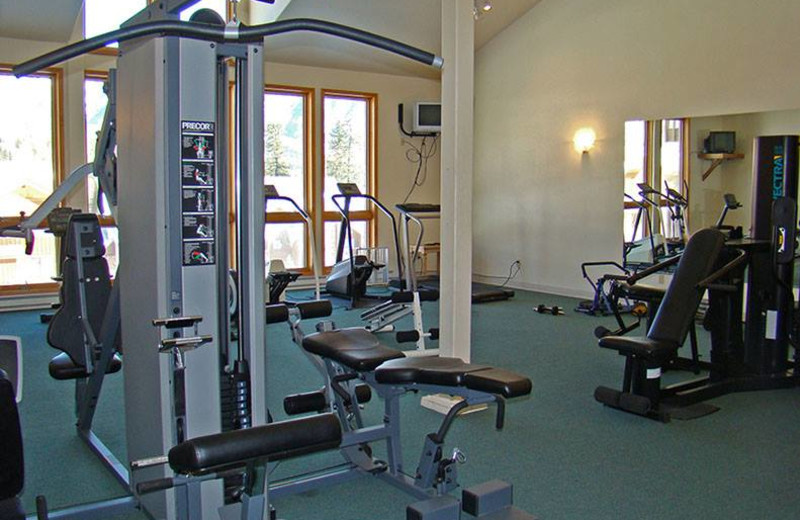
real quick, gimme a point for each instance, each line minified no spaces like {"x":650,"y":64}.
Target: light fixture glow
{"x":584,"y":140}
{"x":480,"y":8}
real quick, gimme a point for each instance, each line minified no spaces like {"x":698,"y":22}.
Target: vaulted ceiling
{"x":415,"y":22}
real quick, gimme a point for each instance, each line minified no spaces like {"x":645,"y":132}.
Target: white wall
{"x":573,"y":63}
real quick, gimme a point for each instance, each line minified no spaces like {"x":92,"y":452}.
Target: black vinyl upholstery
{"x":425,"y":370}
{"x":66,"y":332}
{"x":355,"y":348}
{"x":273,"y":441}
{"x":63,"y":368}
{"x":680,"y":302}
{"x":682,"y":298}
{"x":12,"y":463}
{"x":443,"y":371}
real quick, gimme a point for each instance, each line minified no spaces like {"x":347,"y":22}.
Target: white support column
{"x":456,"y":178}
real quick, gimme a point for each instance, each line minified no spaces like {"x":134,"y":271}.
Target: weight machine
{"x":184,"y":378}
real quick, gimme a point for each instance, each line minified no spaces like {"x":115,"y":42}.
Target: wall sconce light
{"x":584,"y":140}
{"x":480,"y":7}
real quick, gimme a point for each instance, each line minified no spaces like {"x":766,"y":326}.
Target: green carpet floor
{"x":567,"y":456}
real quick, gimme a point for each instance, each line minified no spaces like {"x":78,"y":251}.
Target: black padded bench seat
{"x":355,"y":348}
{"x":453,"y":372}
{"x":641,"y":291}
{"x":63,"y":368}
{"x":273,"y":441}
{"x":640,"y":346}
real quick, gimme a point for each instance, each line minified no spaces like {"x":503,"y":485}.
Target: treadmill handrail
{"x":408,"y":213}
{"x":310,"y":225}
{"x":345,"y":212}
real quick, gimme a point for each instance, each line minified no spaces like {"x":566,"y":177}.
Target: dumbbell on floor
{"x":555,"y":310}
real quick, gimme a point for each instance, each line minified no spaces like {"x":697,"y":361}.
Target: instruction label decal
{"x":198,"y":192}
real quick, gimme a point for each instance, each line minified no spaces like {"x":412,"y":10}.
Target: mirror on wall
{"x":672,"y":150}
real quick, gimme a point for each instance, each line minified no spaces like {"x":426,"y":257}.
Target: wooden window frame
{"x":370,"y":214}
{"x":56,"y":74}
{"x":652,"y":136}
{"x":307,"y":203}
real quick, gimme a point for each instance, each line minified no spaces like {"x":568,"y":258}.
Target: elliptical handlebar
{"x":239,"y":34}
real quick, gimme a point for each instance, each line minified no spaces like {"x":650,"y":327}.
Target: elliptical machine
{"x":348,"y":277}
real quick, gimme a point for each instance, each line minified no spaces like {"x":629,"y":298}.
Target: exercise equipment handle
{"x":500,"y":419}
{"x":653,"y":269}
{"x":151,"y":486}
{"x":239,"y":34}
{"x":708,"y":282}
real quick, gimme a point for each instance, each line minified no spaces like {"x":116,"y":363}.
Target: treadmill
{"x":417,"y":213}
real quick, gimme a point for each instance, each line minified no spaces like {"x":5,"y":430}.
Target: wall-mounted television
{"x":720,"y":142}
{"x":427,"y":117}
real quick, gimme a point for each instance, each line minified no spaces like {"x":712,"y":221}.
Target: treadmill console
{"x":270,"y":192}
{"x":348,"y":189}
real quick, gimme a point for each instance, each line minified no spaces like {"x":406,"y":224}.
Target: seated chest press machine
{"x":172,"y":120}
{"x":748,"y":352}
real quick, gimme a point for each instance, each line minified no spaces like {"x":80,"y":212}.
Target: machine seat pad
{"x":498,"y":381}
{"x":355,"y":348}
{"x":62,"y":367}
{"x":642,"y":292}
{"x":274,"y":441}
{"x":442,"y":371}
{"x":646,"y":348}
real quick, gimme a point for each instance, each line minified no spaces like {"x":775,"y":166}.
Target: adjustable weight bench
{"x":646,"y":355}
{"x":352,"y":358}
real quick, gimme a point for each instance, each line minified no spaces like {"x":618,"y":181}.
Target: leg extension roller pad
{"x":443,"y":507}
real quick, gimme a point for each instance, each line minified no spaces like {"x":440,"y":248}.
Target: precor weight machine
{"x":184,"y":379}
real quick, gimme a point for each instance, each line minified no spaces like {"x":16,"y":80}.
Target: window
{"x":30,"y":167}
{"x":287,"y":126}
{"x":94,"y":104}
{"x":670,"y":173}
{"x":655,"y":153}
{"x":635,"y":173}
{"x":102,"y":16}
{"x":348,"y":156}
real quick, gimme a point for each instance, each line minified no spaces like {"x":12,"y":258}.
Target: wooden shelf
{"x":717,"y":159}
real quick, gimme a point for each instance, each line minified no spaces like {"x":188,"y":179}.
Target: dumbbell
{"x":555,"y":310}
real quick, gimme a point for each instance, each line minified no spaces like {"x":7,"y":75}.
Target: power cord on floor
{"x":513,"y":271}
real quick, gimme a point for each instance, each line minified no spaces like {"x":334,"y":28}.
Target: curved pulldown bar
{"x":228,"y":33}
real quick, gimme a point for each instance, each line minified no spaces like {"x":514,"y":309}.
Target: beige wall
{"x":573,"y":63}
